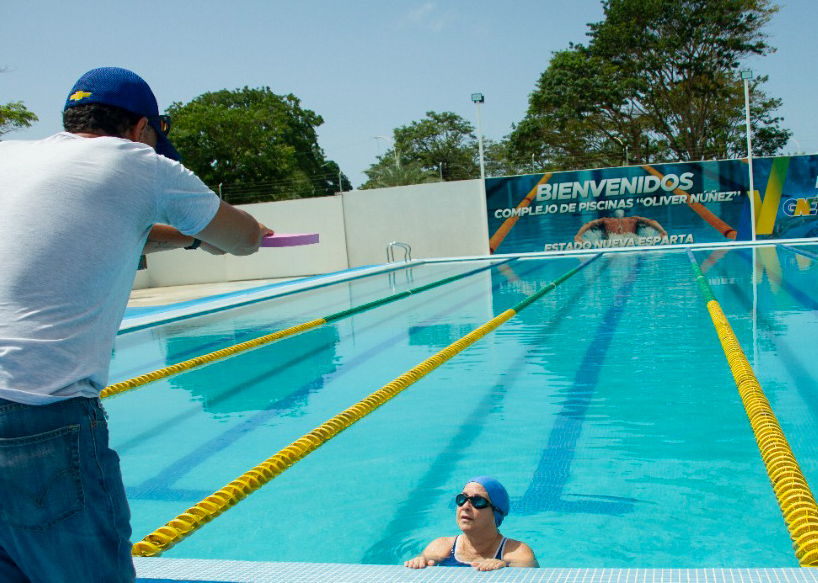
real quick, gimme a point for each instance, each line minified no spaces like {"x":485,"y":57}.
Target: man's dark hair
{"x":98,"y":118}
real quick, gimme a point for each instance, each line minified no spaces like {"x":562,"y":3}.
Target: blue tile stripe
{"x":549,"y":480}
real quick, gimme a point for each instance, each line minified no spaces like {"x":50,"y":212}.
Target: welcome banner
{"x":658,"y":204}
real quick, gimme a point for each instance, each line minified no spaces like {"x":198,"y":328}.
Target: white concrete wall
{"x":442,"y":219}
{"x":323,"y":215}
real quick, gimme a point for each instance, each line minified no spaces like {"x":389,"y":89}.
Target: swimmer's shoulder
{"x":439,"y":548}
{"x":519,"y":554}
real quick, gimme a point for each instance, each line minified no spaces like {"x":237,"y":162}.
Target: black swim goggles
{"x":477,"y":502}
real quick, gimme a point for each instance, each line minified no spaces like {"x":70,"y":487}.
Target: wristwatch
{"x":195,"y":244}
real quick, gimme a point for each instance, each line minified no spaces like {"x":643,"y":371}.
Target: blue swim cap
{"x":497,"y":494}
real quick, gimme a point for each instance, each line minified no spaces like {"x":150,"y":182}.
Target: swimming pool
{"x":606,"y":408}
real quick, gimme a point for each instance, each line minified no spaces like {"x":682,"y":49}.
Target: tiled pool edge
{"x":148,"y":569}
{"x":138,"y":318}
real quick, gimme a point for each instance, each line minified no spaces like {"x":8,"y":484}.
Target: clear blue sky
{"x":366,"y":67}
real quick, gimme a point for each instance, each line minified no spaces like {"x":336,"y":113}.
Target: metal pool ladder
{"x":390,"y":251}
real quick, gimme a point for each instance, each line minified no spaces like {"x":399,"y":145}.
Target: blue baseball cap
{"x":124,"y":89}
{"x":497,"y":494}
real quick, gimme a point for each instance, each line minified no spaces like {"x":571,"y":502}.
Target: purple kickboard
{"x":289,"y":239}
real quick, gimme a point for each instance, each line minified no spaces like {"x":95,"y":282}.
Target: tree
{"x":499,"y":160}
{"x":442,"y":143}
{"x":387,"y":173}
{"x":658,"y":80}
{"x":15,"y":116}
{"x":259,"y":145}
{"x":578,"y":112}
{"x":333,"y":180}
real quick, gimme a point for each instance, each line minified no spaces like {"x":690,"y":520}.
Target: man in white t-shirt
{"x":77,"y":210}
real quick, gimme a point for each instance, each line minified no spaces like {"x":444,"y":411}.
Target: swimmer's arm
{"x":585,"y":227}
{"x":435,"y":551}
{"x":652,"y":223}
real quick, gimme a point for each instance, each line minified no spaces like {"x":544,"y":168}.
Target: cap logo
{"x":80,"y":95}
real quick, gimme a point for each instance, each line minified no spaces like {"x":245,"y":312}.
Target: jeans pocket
{"x":40,"y":483}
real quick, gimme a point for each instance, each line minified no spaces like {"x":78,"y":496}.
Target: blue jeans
{"x":64,"y":517}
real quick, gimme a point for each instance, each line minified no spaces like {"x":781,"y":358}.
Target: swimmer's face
{"x":619,"y":213}
{"x":470,"y":518}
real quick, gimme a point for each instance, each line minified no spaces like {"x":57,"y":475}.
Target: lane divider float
{"x":794,"y":497}
{"x":121,"y":387}
{"x":195,"y":517}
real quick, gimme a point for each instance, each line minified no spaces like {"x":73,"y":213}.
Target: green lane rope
{"x":195,"y":517}
{"x":794,"y":497}
{"x":121,"y":387}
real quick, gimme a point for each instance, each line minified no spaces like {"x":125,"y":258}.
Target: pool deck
{"x":162,"y":296}
{"x":169,"y":570}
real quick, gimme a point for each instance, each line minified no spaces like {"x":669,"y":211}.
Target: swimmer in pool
{"x":620,"y":226}
{"x":481,"y":507}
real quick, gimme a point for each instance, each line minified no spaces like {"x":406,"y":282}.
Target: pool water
{"x":606,"y":408}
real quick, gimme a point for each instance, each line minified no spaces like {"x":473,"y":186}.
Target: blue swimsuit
{"x":451,"y":560}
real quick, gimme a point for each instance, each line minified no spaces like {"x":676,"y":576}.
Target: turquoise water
{"x":606,"y":408}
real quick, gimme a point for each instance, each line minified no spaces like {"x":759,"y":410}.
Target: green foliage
{"x":658,"y":81}
{"x":442,"y":141}
{"x":442,"y":145}
{"x":499,"y":160}
{"x":387,"y":173}
{"x":15,"y":116}
{"x":259,"y":145}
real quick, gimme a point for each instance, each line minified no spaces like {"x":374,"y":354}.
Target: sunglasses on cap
{"x":478,"y":502}
{"x":161,"y":123}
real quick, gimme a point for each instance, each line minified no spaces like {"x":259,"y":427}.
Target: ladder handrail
{"x":390,"y":252}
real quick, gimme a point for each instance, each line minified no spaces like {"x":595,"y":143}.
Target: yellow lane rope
{"x":794,"y":497}
{"x":167,"y":371}
{"x":207,"y":358}
{"x":193,"y":518}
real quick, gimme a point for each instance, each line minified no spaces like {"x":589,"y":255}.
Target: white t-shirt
{"x":74,"y":215}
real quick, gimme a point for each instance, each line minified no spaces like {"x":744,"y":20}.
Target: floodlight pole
{"x":478,"y":99}
{"x":746,"y":75}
